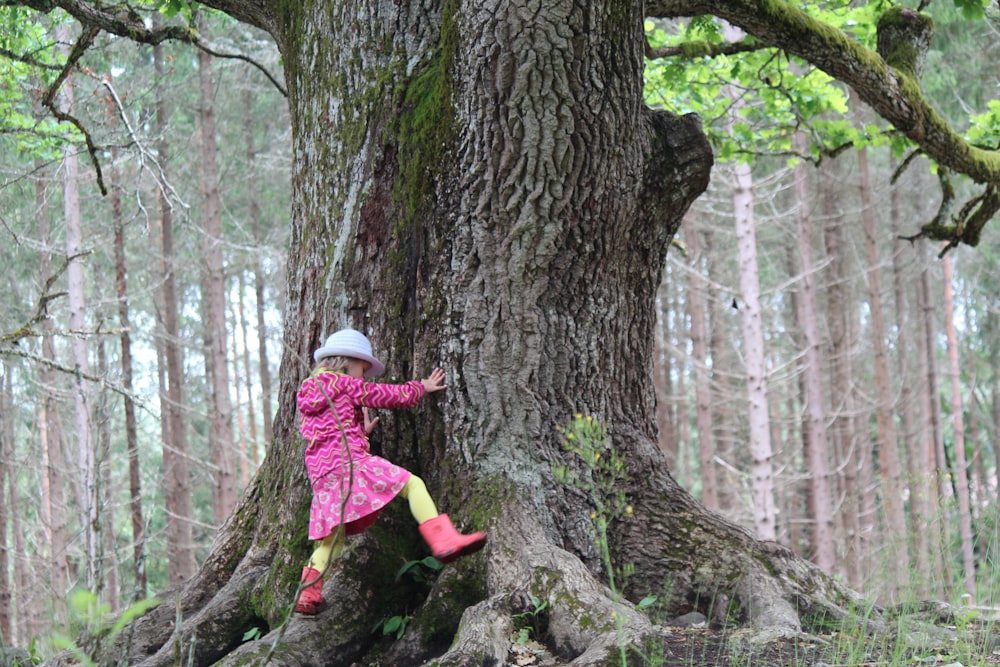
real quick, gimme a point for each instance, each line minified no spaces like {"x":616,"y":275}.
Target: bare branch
{"x":238,"y":56}
{"x":82,"y":44}
{"x":124,"y":21}
{"x":10,"y":349}
{"x":27,"y":330}
{"x":693,"y":50}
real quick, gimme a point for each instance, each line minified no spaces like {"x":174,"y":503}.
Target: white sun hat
{"x":350,"y":343}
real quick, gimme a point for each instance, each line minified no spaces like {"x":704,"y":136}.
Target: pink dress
{"x":352,"y":474}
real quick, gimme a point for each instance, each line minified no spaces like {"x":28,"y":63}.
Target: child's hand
{"x":369,"y":422}
{"x":434,"y":381}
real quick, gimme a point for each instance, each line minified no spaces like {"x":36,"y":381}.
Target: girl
{"x":350,"y":485}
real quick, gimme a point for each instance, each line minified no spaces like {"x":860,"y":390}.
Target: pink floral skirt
{"x":376,"y":482}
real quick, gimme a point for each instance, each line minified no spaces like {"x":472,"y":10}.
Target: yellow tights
{"x":421,"y":506}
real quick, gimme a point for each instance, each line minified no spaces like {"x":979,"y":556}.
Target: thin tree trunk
{"x":680,"y":448}
{"x":27,"y":626}
{"x":53,"y":448}
{"x":699,"y":349}
{"x":6,"y":459}
{"x":754,"y":356}
{"x":723,"y":428}
{"x":959,"y":471}
{"x":853,"y":453}
{"x":247,"y":434}
{"x":87,"y":500}
{"x":252,"y":447}
{"x":894,"y":537}
{"x":131,"y":438}
{"x":762,"y":473}
{"x":909,"y":407}
{"x":220,"y":440}
{"x":820,"y":506}
{"x":259,"y":279}
{"x":176,"y":475}
{"x":849,"y":460}
{"x":797,"y":430}
{"x":931,"y":452}
{"x":108,"y":565}
{"x":665,"y":405}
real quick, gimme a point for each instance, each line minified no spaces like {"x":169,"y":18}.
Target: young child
{"x":350,"y":485}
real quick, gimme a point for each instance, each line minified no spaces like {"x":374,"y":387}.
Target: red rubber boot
{"x":446,"y":543}
{"x":311,"y":599}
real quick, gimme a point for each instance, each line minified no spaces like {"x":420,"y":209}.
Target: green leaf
{"x":646,"y":602}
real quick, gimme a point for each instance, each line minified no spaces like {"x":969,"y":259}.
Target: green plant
{"x":394,"y":625}
{"x":602,"y":478}
{"x":251,"y":635}
{"x":528,"y":622}
{"x":92,"y":618}
{"x":422,"y":570}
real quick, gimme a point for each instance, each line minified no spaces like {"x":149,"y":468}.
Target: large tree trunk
{"x":482,"y":190}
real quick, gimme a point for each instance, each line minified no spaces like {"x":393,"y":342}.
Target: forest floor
{"x":694,"y":647}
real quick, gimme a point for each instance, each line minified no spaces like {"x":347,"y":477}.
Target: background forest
{"x":821,"y":380}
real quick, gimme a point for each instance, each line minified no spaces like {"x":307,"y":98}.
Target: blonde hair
{"x":335,"y":363}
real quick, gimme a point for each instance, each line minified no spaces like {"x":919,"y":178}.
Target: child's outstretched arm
{"x":434,"y":381}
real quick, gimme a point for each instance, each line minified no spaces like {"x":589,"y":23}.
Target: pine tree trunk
{"x":894,"y":530}
{"x":6,"y":460}
{"x":246,"y":430}
{"x":87,"y":501}
{"x":843,"y":456}
{"x":724,"y":424}
{"x":27,"y":626}
{"x":253,"y":213}
{"x":815,"y":443}
{"x":906,"y":370}
{"x":131,"y":437}
{"x":762,"y":474}
{"x":220,"y":441}
{"x":959,"y":469}
{"x":931,"y":449}
{"x":751,"y":317}
{"x":668,"y":420}
{"x":108,"y":587}
{"x":697,"y":309}
{"x":176,"y":475}
{"x":53,"y":448}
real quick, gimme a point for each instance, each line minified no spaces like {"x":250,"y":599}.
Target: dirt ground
{"x":703,"y":647}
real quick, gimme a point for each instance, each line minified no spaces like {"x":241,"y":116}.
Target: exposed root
{"x":572,"y":613}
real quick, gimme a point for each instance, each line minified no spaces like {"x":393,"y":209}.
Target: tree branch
{"x":238,"y":56}
{"x":120,"y":20}
{"x":702,"y":49}
{"x":26,"y":330}
{"x":84,"y":42}
{"x":894,"y":93}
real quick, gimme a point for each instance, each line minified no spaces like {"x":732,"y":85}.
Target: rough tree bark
{"x":478,"y":184}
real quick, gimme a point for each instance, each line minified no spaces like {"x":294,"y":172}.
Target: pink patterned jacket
{"x":319,"y":425}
